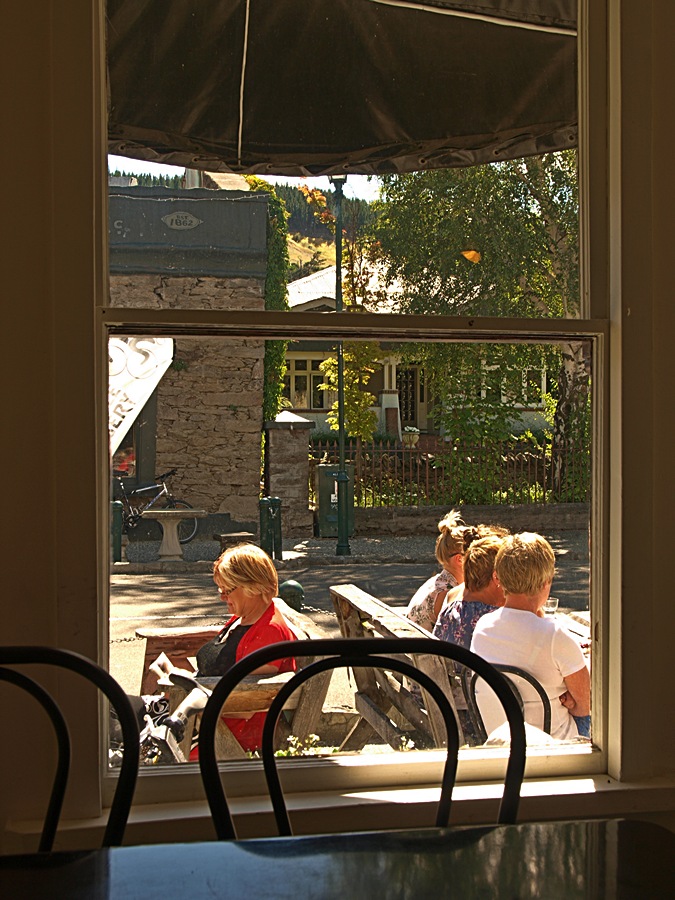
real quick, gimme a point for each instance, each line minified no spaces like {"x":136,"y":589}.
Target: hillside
{"x":357,"y":214}
{"x":303,"y":250}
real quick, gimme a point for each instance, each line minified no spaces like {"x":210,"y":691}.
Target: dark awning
{"x":318,"y":87}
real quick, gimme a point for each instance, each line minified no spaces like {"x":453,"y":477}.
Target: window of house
{"x":517,"y":385}
{"x":302,"y":384}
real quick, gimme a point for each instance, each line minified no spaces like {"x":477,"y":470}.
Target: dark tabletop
{"x":588,"y":859}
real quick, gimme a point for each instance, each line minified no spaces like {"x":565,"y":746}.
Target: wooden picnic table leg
{"x":359,"y":736}
{"x":436,"y":669}
{"x":227,"y":746}
{"x":306,"y":717}
{"x":351,"y":620}
{"x":375,"y":697}
{"x":366,"y":685}
{"x":404,"y":701}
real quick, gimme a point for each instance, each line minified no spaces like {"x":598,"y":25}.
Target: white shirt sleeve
{"x":567,"y":653}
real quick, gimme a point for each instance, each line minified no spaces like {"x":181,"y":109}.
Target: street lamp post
{"x":342,"y":548}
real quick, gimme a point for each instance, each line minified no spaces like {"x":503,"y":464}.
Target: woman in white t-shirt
{"x":519,"y":635}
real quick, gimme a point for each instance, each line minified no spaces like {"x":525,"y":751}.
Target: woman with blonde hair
{"x":480,"y":594}
{"x":453,"y":540}
{"x":519,"y":634}
{"x":247,"y":581}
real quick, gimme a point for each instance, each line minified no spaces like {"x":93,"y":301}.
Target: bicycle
{"x":134,"y":504}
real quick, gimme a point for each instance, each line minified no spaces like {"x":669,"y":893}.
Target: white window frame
{"x":312,"y":375}
{"x":345,"y":774}
{"x":626,"y":73}
{"x":183,"y":782}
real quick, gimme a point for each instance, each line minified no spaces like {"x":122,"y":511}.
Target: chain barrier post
{"x":275,"y":515}
{"x":266,"y":534}
{"x":116,"y":521}
{"x":270,"y":526}
{"x":293,"y":593}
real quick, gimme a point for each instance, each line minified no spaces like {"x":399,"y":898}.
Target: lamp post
{"x":342,"y":548}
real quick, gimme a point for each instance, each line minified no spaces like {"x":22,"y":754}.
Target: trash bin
{"x":270,"y":526}
{"x":327,"y":502}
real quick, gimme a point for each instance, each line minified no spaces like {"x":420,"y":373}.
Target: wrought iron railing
{"x":436,"y":473}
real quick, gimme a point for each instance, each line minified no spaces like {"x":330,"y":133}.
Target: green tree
{"x":359,"y":365}
{"x":276,"y":294}
{"x":491,"y":240}
{"x":303,"y":221}
{"x":360,"y":357}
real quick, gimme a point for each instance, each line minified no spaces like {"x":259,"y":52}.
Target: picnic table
{"x":253,"y":694}
{"x":386,"y":705}
{"x":381,"y":700}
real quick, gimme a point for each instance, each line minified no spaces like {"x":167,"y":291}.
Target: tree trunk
{"x":571,"y":423}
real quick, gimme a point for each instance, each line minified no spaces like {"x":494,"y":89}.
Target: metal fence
{"x":435,"y":473}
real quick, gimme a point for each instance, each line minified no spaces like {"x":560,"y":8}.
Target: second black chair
{"x":383,"y":653}
{"x":66,"y":659}
{"x":513,"y":674}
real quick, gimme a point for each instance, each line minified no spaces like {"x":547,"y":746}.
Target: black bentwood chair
{"x":357,"y":652}
{"x":128,"y":771}
{"x":512,"y":673}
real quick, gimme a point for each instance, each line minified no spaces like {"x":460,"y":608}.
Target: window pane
{"x":317,"y":394}
{"x":300,"y":391}
{"x":491,"y":240}
{"x":487,"y":456}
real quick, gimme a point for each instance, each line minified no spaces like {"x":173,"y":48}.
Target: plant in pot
{"x":410,"y":436}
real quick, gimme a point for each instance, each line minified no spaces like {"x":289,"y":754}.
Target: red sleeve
{"x":271,"y":633}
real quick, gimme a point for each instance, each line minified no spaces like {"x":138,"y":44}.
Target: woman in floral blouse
{"x":454,"y":538}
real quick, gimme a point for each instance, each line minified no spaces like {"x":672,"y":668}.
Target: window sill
{"x":594,"y":796}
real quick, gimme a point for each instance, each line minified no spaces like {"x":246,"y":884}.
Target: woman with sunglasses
{"x":247,"y":581}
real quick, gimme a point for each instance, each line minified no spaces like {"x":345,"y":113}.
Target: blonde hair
{"x":525,"y":563}
{"x":246,"y":566}
{"x":479,"y":562}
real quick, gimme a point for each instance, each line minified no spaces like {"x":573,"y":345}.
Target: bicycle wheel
{"x":187,"y":528}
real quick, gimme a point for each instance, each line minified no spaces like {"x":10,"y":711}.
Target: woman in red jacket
{"x":247,"y":581}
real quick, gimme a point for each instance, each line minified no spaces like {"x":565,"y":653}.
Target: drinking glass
{"x":551,"y":606}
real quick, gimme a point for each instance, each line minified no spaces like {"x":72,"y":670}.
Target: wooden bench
{"x":378,"y":693}
{"x":254,"y":694}
{"x":232,"y":538}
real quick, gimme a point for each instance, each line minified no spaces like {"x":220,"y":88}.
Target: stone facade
{"x":209,"y":424}
{"x":288,"y":472}
{"x":209,"y":402}
{"x":424,"y":520}
{"x":142,"y":291}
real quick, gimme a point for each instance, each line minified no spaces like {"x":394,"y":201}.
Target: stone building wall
{"x":200,"y":249}
{"x":288,"y":472}
{"x":424,"y":520}
{"x":209,"y":402}
{"x":209,"y":417}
